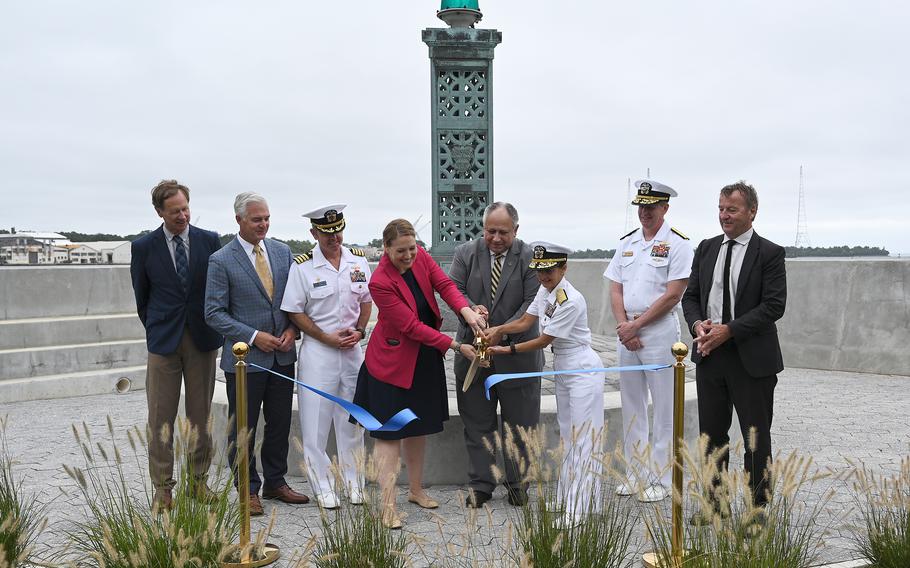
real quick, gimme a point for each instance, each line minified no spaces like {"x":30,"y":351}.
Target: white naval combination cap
{"x":651,"y":192}
{"x":327,"y":219}
{"x":547,"y":255}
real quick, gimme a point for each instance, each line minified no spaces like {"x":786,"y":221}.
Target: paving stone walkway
{"x":832,"y":416}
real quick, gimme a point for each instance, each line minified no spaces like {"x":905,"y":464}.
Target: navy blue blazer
{"x":163,"y":306}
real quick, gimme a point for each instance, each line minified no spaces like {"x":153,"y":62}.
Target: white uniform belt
{"x":567,"y":350}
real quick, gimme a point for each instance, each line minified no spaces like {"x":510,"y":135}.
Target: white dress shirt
{"x":172,"y":246}
{"x":248,"y":249}
{"x":716,"y":295}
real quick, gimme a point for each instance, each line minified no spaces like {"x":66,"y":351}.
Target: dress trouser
{"x":196,"y":369}
{"x":519,"y":405}
{"x":333,"y":371}
{"x":274,"y":395}
{"x":723,"y":384}
{"x":648,"y":464}
{"x":580,"y":414}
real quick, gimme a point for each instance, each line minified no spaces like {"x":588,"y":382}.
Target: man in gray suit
{"x":493,"y":272}
{"x":246,"y":283}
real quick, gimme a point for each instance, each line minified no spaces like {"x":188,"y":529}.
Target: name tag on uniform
{"x":358,"y":275}
{"x":320,"y":283}
{"x":628,"y":253}
{"x":661,"y":250}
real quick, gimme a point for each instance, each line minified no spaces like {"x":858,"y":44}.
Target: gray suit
{"x":236,"y":305}
{"x":519,"y":401}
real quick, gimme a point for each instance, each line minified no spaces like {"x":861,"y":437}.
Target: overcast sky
{"x":310,"y":103}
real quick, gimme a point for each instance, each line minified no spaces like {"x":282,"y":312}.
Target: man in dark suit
{"x":168,"y":270}
{"x":243,"y":297}
{"x":737,"y":290}
{"x":493,"y":272}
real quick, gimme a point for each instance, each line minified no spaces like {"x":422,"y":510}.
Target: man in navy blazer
{"x":243,"y":297}
{"x":737,"y":291}
{"x":168,"y":270}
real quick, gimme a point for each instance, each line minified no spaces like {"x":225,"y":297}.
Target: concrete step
{"x":71,"y":384}
{"x":71,"y":358}
{"x":70,"y":330}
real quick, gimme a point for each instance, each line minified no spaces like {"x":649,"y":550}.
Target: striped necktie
{"x":497,"y":272}
{"x":262,"y":269}
{"x":180,"y":262}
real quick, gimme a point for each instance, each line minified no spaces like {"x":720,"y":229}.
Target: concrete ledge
{"x":59,"y":359}
{"x":446,"y":460}
{"x":67,"y":385}
{"x":44,"y":332}
{"x":55,"y":291}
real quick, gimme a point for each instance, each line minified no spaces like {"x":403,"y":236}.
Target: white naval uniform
{"x":644,"y":268}
{"x":331,"y":298}
{"x":579,"y":397}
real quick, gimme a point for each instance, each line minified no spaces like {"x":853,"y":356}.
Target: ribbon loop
{"x":360,"y":414}
{"x":494,"y":380}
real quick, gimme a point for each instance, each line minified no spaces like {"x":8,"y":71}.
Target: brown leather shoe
{"x":163,"y":500}
{"x":256,"y":506}
{"x":286,"y":495}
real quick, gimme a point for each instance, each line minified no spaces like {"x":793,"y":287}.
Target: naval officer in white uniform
{"x":328,"y":299}
{"x":648,"y":275}
{"x":563,"y":316}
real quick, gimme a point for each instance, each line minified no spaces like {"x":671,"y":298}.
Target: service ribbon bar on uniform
{"x":360,"y":414}
{"x":494,"y":380}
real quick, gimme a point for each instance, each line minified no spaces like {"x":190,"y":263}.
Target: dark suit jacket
{"x":395,"y":342}
{"x":471,"y":272}
{"x":164,"y":307}
{"x":236,"y":303}
{"x":761,"y":296}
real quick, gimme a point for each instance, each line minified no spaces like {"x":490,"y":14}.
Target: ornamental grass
{"x":884,"y":501}
{"x":122,"y":530}
{"x":784,"y":534}
{"x":21,"y":517}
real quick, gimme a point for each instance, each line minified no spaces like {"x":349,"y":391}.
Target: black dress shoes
{"x":476,"y":499}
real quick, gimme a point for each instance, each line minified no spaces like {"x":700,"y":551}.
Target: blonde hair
{"x":397,"y":228}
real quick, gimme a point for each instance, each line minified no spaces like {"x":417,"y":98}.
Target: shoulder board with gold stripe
{"x":301,"y":258}
{"x":629,"y":234}
{"x":561,"y":296}
{"x":678,"y":233}
{"x":357,"y":252}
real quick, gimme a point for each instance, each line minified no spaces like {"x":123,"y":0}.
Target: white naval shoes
{"x":328,"y":501}
{"x":653,"y":493}
{"x":356,"y":497}
{"x":625,"y":489}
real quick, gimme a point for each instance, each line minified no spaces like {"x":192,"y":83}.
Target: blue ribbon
{"x":494,"y":380}
{"x":360,"y":414}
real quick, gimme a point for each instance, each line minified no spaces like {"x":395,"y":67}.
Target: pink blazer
{"x":392,"y":350}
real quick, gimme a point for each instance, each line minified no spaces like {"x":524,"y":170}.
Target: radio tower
{"x":802,"y":228}
{"x":628,"y":205}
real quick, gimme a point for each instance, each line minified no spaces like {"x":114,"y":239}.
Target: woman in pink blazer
{"x":403,"y":364}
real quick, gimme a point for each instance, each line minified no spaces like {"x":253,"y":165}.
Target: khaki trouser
{"x":162,"y":387}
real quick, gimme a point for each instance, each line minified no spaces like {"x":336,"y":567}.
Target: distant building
{"x":111,"y":252}
{"x":21,"y":248}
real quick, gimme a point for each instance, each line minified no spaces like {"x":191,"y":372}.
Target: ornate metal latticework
{"x":461,"y":93}
{"x":462,"y":133}
{"x":460,"y":215}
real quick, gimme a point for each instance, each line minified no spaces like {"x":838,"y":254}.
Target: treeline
{"x":793,"y":252}
{"x":593,"y":253}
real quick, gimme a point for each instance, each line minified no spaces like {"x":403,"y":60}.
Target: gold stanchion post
{"x":653,"y":559}
{"x":270,"y":552}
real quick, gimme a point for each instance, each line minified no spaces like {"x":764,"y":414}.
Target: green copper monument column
{"x":461,"y":87}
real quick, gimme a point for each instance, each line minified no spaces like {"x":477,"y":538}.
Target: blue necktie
{"x":183,"y":272}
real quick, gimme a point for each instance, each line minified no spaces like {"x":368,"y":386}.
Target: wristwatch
{"x":512,"y":347}
{"x":457,"y":347}
{"x":363,"y":332}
